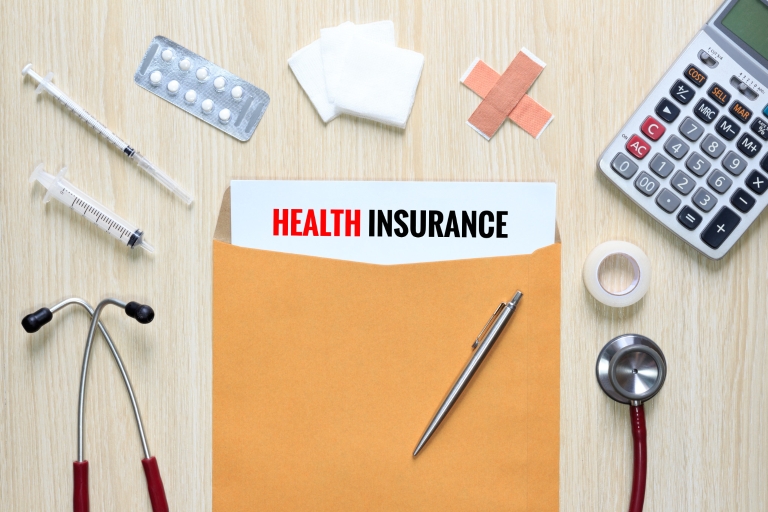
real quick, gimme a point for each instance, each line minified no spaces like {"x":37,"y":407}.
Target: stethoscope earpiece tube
{"x":640,"y":469}
{"x":155,"y":485}
{"x":81,"y":501}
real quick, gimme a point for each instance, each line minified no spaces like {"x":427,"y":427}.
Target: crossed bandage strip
{"x":505,"y":96}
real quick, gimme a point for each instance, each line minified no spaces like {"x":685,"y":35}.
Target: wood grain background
{"x":708,"y":426}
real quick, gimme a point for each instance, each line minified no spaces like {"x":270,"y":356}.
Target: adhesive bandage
{"x":506,"y":93}
{"x":528,"y":113}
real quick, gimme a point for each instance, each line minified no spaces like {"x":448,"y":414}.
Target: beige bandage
{"x":505,"y":95}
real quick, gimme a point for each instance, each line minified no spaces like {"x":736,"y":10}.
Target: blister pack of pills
{"x":200,"y":87}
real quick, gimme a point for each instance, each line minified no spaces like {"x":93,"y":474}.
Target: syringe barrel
{"x":85,"y":116}
{"x":65,"y":192}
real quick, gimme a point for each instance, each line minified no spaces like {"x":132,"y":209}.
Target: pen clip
{"x":482,"y":331}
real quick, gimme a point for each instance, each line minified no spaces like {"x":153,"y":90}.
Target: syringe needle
{"x":45,"y":84}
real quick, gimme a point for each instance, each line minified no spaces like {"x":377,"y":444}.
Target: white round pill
{"x":237,"y":92}
{"x":202,"y":74}
{"x":173,"y":86}
{"x":155,"y":77}
{"x":190,"y":96}
{"x":207,"y":106}
{"x":167,"y":55}
{"x":185,"y":64}
{"x":220,"y":83}
{"x":224,"y":115}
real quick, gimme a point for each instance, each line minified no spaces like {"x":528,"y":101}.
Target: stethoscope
{"x":143,"y":314}
{"x":631,"y":370}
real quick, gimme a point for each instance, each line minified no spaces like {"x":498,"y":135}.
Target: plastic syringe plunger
{"x":66,"y":193}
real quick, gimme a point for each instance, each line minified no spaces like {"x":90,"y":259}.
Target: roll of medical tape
{"x":641,"y":274}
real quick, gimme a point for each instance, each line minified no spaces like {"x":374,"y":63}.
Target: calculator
{"x":694,"y":155}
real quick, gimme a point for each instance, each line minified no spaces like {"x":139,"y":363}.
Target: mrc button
{"x":705,"y":111}
{"x":695,"y":75}
{"x":719,"y":94}
{"x":741,"y":112}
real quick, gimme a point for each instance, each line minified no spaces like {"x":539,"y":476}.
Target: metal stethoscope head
{"x":144,"y":315}
{"x":631,"y":369}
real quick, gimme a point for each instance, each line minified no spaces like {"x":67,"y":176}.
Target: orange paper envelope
{"x":327,"y":372}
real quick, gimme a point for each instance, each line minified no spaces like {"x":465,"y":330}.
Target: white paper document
{"x":393,"y":222}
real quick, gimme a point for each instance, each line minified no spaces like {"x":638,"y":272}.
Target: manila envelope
{"x":327,"y":372}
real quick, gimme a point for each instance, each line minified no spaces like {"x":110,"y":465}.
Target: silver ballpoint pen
{"x":484,"y":342}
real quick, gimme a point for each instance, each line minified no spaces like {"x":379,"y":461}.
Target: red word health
{"x":295,"y":222}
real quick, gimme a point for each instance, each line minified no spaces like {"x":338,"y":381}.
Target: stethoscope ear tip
{"x":141,"y":312}
{"x":33,"y":322}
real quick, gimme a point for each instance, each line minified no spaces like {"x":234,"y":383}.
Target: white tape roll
{"x":641,"y":279}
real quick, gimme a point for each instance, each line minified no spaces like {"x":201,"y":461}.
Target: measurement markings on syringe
{"x":98,"y":217}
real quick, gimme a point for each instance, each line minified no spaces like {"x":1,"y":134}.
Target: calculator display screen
{"x":748,"y":20}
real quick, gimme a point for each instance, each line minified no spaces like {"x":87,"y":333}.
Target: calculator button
{"x":741,"y":112}
{"x":638,"y":147}
{"x":719,"y":182}
{"x":683,"y":183}
{"x":705,"y":111}
{"x":734,"y":163}
{"x":720,"y":228}
{"x":764,"y":163}
{"x":757,"y":183}
{"x":661,"y":165}
{"x":719,"y":94}
{"x":690,"y":129}
{"x":713,"y":146}
{"x":765,"y":111}
{"x":689,"y":218}
{"x":653,"y":128}
{"x":667,"y":201}
{"x":625,"y":167}
{"x":727,"y":128}
{"x":742,"y":201}
{"x":682,"y":92}
{"x":646,"y":184}
{"x":695,"y":75}
{"x":704,"y":200}
{"x":676,"y":147}
{"x":708,"y":59}
{"x":667,"y":110}
{"x":749,"y":145}
{"x":697,"y":164}
{"x":760,"y":127}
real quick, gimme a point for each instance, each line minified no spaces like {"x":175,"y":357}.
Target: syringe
{"x":68,"y":194}
{"x":45,"y":84}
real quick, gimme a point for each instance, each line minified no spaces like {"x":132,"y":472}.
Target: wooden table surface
{"x":707,"y":428}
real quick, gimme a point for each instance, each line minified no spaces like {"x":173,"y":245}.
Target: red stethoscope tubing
{"x":639,"y":437}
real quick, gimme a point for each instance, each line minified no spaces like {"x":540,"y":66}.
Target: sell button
{"x":719,"y":94}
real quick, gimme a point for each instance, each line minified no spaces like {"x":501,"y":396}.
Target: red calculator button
{"x":638,"y":147}
{"x":653,"y":129}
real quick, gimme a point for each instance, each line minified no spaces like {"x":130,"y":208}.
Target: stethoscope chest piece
{"x":631,"y":369}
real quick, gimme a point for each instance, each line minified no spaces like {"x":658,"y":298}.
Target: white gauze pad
{"x":378,"y":82}
{"x":307,"y":66}
{"x":335,"y":43}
